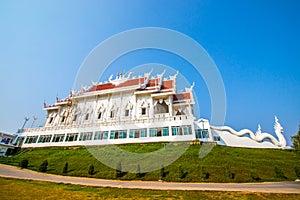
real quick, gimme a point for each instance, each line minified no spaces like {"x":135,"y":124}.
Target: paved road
{"x":276,"y":187}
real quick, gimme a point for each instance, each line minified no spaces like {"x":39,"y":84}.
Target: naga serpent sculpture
{"x":259,"y":136}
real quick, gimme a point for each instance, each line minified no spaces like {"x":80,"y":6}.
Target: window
{"x":71,"y":137}
{"x":126,"y":113}
{"x":63,"y":119}
{"x":112,"y":114}
{"x":175,"y":130}
{"x":99,"y":115}
{"x":143,"y":111}
{"x":158,"y":132}
{"x":161,"y":107}
{"x":105,"y":135}
{"x":153,"y":132}
{"x":118,"y":134}
{"x":166,"y":131}
{"x":101,"y":135}
{"x":202,"y":133}
{"x":31,"y":139}
{"x":122,"y":134}
{"x":97,"y":135}
{"x":58,"y":138}
{"x":85,"y":136}
{"x":132,"y":133}
{"x":44,"y":138}
{"x":87,"y":116}
{"x":74,"y":118}
{"x":187,"y":130}
{"x":50,"y":120}
{"x":112,"y":135}
{"x":143,"y":133}
{"x":137,"y":133}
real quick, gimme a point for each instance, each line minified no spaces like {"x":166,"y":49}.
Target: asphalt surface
{"x":266,"y":187}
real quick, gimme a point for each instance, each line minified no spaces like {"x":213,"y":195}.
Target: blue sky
{"x":255,"y":45}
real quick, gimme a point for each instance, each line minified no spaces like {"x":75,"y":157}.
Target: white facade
{"x":6,"y":142}
{"x":124,"y":110}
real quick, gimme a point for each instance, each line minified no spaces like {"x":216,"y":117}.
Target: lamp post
{"x":34,"y":119}
{"x":26,"y":120}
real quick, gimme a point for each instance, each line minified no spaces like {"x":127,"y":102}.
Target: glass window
{"x":48,"y":138}
{"x":205,"y":134}
{"x":50,"y":120}
{"x":105,"y":135}
{"x":112,"y":135}
{"x":81,"y":137}
{"x":143,"y":132}
{"x":71,"y":137}
{"x":112,"y":114}
{"x":122,"y":134}
{"x":166,"y":131}
{"x":126,"y":113}
{"x":31,"y":139}
{"x":86,"y":136}
{"x":97,"y":135}
{"x":44,"y":138}
{"x":187,"y":130}
{"x":153,"y":132}
{"x":87,"y":116}
{"x":63,"y":119}
{"x":143,"y":111}
{"x":131,"y":133}
{"x":175,"y":130}
{"x":61,"y":138}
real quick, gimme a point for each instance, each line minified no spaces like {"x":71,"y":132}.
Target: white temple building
{"x":134,"y":110}
{"x":6,"y":142}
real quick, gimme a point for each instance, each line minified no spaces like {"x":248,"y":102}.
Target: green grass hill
{"x":221,"y":164}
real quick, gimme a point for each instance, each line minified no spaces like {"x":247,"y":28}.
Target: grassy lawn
{"x":222,"y":164}
{"x":25,"y":189}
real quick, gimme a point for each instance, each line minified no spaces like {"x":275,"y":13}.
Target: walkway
{"x":268,"y":187}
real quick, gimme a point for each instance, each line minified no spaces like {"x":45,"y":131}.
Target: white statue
{"x":259,"y":136}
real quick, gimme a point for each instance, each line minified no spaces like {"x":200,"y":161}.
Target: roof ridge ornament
{"x":120,"y":78}
{"x":190,"y":89}
{"x":174,"y":76}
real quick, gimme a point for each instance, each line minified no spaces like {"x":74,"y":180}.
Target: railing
{"x":157,"y":118}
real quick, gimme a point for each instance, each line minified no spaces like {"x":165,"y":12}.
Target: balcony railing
{"x":104,"y":122}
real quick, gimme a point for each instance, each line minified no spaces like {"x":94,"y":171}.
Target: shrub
{"x":138,"y":171}
{"x":181,"y":173}
{"x":232,"y":175}
{"x":65,"y":169}
{"x":206,"y":175}
{"x":91,"y":170}
{"x":254,"y":176}
{"x":297,"y":171}
{"x":279,"y":173}
{"x":119,"y":170}
{"x":43,"y":166}
{"x":162,"y":173}
{"x":24,"y":163}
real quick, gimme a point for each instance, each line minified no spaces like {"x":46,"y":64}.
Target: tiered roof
{"x":157,"y":85}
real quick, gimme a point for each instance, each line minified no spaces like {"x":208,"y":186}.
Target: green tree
{"x":91,"y":170}
{"x":43,"y":166}
{"x":162,"y":173}
{"x":24,"y":163}
{"x":119,"y":170}
{"x":65,"y":169}
{"x":138,"y":171}
{"x":181,"y":173}
{"x":296,"y":142}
